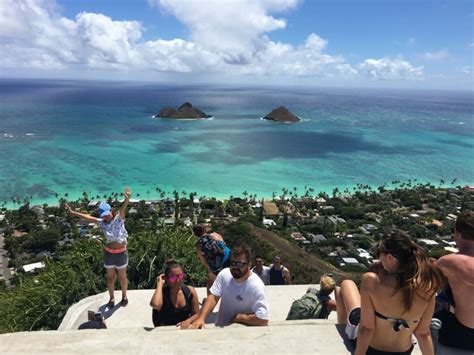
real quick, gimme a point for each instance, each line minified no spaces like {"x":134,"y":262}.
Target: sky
{"x":344,"y":43}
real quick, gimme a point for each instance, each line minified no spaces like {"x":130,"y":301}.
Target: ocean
{"x":70,"y":137}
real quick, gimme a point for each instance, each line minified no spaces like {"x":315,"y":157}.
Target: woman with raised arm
{"x":173,"y":302}
{"x":396,"y":300}
{"x":115,"y":252}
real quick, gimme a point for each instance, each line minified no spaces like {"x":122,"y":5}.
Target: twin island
{"x":187,"y":112}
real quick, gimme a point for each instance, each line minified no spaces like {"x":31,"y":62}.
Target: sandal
{"x":124,"y":302}
{"x":111,"y":304}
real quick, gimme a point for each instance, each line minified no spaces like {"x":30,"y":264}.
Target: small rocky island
{"x":185,"y":111}
{"x":281,"y":114}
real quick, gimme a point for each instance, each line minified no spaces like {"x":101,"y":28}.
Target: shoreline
{"x":152,"y":195}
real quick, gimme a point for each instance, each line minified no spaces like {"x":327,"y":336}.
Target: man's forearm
{"x":208,"y":306}
{"x":250,"y":319}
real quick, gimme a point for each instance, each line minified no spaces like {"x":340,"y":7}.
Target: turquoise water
{"x":60,"y":137}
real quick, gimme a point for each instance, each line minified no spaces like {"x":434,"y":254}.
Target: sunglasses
{"x":239,"y":264}
{"x":258,"y":261}
{"x":174,"y":278}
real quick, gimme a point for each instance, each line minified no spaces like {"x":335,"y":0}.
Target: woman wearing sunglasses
{"x":396,"y":300}
{"x":173,"y":302}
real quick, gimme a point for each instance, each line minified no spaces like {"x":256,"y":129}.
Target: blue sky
{"x":377,"y":43}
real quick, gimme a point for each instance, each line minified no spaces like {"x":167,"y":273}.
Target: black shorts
{"x":453,"y":333}
{"x":372,"y":351}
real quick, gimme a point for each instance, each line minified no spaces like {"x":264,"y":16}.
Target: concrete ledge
{"x":295,"y":337}
{"x":289,"y":337}
{"x":130,"y":330}
{"x":138,"y":312}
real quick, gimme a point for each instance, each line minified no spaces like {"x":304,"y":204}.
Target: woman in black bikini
{"x":396,"y":300}
{"x":173,"y":302}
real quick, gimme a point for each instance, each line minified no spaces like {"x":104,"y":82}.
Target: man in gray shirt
{"x":261,"y":270}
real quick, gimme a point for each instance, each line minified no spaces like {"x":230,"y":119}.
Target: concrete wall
{"x":130,"y":331}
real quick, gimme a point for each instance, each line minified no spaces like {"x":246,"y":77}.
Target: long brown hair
{"x":416,"y":274}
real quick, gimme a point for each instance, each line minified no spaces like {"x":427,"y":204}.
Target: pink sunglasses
{"x":174,"y":278}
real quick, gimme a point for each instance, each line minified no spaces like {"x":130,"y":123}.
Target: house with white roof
{"x":34,"y":266}
{"x":428,"y":242}
{"x":350,"y":260}
{"x":267,"y":222}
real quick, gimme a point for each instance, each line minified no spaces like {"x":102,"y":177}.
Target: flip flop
{"x":111,"y":304}
{"x":124,"y":302}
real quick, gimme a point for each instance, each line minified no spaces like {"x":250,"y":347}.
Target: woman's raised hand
{"x":127,"y":193}
{"x":160,"y":280}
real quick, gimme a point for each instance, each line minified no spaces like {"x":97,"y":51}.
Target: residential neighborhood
{"x":341,"y":229}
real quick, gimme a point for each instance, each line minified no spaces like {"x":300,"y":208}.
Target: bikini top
{"x":399,"y":323}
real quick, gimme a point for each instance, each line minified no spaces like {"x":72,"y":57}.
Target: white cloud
{"x":438,"y":55}
{"x":467,"y":69}
{"x":388,"y":69}
{"x":229,"y":37}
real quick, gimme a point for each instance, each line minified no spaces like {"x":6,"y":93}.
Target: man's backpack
{"x":309,"y":306}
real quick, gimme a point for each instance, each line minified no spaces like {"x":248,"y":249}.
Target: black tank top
{"x":169,"y":314}
{"x":276,"y":276}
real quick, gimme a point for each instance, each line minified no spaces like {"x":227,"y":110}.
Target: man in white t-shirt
{"x":261,"y":270}
{"x":241,"y":292}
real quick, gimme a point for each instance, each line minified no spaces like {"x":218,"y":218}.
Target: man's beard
{"x":237,"y":273}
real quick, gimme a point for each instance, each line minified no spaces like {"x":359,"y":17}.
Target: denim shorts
{"x":115,"y":260}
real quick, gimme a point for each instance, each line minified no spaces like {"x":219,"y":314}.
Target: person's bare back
{"x":390,"y":305}
{"x":459,"y":269}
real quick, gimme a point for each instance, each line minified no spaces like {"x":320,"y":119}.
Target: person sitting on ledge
{"x":241,"y":292}
{"x":173,"y":302}
{"x":115,"y":252}
{"x":457,"y":329}
{"x":396,"y":300}
{"x":315,"y":304}
{"x":327,"y":285}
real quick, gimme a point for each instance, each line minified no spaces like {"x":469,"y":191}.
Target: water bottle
{"x":435,"y":326}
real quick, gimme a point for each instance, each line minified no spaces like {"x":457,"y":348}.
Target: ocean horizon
{"x":69,"y":136}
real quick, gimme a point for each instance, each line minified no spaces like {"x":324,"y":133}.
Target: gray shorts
{"x":115,"y":260}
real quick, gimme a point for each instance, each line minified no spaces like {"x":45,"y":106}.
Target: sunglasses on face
{"x":239,"y":264}
{"x":174,"y":278}
{"x":258,"y":261}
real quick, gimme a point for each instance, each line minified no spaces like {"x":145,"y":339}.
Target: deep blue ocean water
{"x":73,"y":136}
